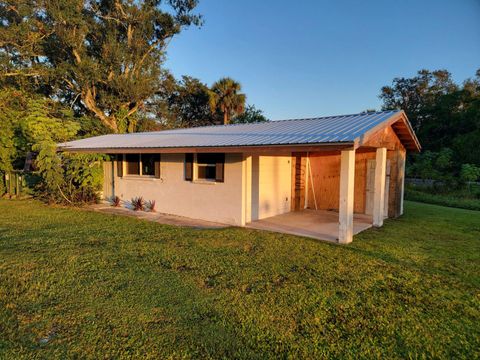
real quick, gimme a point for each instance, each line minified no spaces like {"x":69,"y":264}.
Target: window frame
{"x":191,"y":159}
{"x":140,"y":167}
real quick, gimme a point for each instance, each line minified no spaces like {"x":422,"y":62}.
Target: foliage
{"x":37,"y":124}
{"x":151,"y":205}
{"x":250,"y":115}
{"x":186,"y":104}
{"x":226,"y":99}
{"x":102,"y":57}
{"x":138,"y":203}
{"x":469,"y":172}
{"x":443,"y":114}
{"x":406,"y":290}
{"x":116,"y":201}
{"x":445,"y":196}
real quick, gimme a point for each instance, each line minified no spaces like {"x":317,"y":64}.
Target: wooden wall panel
{"x":326,"y":181}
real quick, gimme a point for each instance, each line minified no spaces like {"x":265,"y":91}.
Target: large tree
{"x":443,"y":114}
{"x":99,"y":56}
{"x":225,"y":98}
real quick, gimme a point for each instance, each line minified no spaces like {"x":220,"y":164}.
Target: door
{"x":108,"y":183}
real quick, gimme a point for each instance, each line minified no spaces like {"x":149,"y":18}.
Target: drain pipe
{"x":309,"y":169}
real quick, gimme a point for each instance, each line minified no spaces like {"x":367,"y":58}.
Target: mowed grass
{"x":80,"y":284}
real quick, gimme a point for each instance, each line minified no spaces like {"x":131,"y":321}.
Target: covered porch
{"x":317,"y":224}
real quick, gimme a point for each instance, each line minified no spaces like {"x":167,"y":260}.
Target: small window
{"x":148,"y":164}
{"x":133,"y":164}
{"x":210,"y":167}
{"x":141,"y":165}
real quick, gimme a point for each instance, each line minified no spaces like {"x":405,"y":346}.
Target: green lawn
{"x":80,"y":284}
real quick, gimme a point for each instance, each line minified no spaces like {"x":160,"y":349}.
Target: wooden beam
{"x":347,"y":181}
{"x":379,"y":189}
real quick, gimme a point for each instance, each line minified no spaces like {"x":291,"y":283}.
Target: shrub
{"x":151,"y":205}
{"x":116,"y":201}
{"x":138,"y":203}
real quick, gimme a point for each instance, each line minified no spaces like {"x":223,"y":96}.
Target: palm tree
{"x":226,"y":98}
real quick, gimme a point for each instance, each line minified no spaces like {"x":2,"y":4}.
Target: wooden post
{"x":347,"y":181}
{"x":379,"y":189}
{"x":401,"y":180}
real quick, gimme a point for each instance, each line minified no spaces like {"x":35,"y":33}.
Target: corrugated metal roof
{"x":331,"y":129}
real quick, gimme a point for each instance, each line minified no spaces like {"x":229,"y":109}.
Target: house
{"x":319,"y":177}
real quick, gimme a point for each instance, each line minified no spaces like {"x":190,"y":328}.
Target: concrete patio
{"x":317,"y":224}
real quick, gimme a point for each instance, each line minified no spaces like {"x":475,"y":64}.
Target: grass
{"x":87,"y":285}
{"x":466,"y":198}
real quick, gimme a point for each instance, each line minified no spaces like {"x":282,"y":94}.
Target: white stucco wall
{"x":271,"y":185}
{"x":218,"y":202}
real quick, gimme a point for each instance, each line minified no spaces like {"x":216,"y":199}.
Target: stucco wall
{"x":219,"y":202}
{"x":271,"y":185}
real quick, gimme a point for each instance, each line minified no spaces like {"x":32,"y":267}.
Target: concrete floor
{"x":317,"y":224}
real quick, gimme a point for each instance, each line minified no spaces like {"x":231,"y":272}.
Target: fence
{"x":14,"y":183}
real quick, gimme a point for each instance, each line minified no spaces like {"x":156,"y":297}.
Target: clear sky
{"x":324,"y":57}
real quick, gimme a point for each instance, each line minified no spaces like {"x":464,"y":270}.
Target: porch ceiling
{"x":317,"y":224}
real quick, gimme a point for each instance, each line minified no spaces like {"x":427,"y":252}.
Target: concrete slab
{"x":317,"y":224}
{"x":160,"y":218}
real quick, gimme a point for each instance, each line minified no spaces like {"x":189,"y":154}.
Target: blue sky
{"x":312,"y":58}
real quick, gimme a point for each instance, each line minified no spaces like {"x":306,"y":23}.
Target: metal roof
{"x":320,"y":130}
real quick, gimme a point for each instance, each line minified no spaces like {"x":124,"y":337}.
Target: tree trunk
{"x":88,"y":99}
{"x":226,"y":120}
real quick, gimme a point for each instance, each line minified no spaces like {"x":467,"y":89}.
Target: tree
{"x":250,"y":115}
{"x":443,"y":114}
{"x":188,"y":104}
{"x":99,"y":56}
{"x":226,"y":99}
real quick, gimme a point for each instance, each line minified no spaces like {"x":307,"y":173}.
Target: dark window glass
{"x":207,"y":165}
{"x":148,"y":164}
{"x":133,"y":164}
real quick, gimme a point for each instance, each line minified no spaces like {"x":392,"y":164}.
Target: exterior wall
{"x":271,"y":185}
{"x":211,"y":201}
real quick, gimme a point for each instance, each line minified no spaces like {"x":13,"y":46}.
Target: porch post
{"x":347,"y":181}
{"x":379,"y":188}
{"x":246,"y":189}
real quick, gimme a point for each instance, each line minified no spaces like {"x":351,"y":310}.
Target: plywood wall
{"x":324,"y":182}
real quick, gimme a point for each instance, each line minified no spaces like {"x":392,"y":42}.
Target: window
{"x":133,"y":164}
{"x":141,"y":165}
{"x":209,"y":167}
{"x":148,"y":164}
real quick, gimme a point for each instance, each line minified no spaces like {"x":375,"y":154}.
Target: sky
{"x":309,"y":58}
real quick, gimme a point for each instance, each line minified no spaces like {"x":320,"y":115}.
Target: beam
{"x":347,"y":181}
{"x":379,"y":187}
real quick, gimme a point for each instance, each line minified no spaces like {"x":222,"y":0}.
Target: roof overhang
{"x":219,"y":149}
{"x":402,"y":128}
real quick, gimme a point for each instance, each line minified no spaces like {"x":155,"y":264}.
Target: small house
{"x":327,"y":177}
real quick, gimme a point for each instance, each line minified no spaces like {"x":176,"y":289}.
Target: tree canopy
{"x":445,"y":115}
{"x":103,"y":57}
{"x":225,"y":98}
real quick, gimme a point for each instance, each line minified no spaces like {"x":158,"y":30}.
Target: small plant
{"x":138,"y":204}
{"x":116,"y":201}
{"x":151,"y":205}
